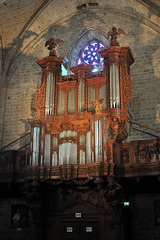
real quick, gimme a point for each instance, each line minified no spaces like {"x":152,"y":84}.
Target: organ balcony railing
{"x":133,"y":159}
{"x":82,"y":119}
{"x":80,"y":116}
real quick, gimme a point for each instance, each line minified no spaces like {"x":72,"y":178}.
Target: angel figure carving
{"x":52,"y":46}
{"x":113,"y":35}
{"x":97,"y":104}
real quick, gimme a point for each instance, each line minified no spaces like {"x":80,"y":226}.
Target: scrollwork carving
{"x":67,"y":86}
{"x":40,"y":98}
{"x":96,"y":83}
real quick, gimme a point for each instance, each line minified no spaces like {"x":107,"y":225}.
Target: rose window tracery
{"x":89,"y":55}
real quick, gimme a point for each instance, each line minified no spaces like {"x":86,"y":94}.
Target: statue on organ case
{"x":52,"y":46}
{"x":97,"y":103}
{"x":112,"y":36}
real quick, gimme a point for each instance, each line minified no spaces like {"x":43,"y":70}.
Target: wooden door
{"x":88,"y":230}
{"x":70,"y":231}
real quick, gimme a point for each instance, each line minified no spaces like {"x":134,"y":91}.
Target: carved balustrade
{"x":137,"y":158}
{"x":72,"y":139}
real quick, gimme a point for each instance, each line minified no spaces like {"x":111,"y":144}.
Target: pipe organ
{"x":35,"y":145}
{"x":69,"y":133}
{"x":50,"y":92}
{"x":114,"y":87}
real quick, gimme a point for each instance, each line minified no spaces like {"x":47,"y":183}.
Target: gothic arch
{"x":86,"y":37}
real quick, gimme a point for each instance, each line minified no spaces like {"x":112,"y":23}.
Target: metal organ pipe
{"x":36,"y":139}
{"x":98,"y":139}
{"x":47,"y":150}
{"x":114,"y":87}
{"x":111,"y":98}
{"x":117,"y":88}
{"x":88,"y":147}
{"x":50,"y":91}
{"x":81,"y":96}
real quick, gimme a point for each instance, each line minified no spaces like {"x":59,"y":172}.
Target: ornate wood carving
{"x":113,"y":35}
{"x":66,"y":125}
{"x":97,"y":104}
{"x":136,"y":157}
{"x":73,"y":77}
{"x":82,"y":67}
{"x":40,"y":99}
{"x":52,"y":46}
{"x":83,"y":122}
{"x":67,"y":86}
{"x":126,"y":87}
{"x":96,"y":83}
{"x":51,"y":63}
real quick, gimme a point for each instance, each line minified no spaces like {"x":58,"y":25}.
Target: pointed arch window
{"x":89,"y":55}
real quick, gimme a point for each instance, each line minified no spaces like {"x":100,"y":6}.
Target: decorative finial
{"x":97,"y":103}
{"x":52,"y":46}
{"x":112,"y":36}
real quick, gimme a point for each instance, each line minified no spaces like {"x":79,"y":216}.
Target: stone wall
{"x":64,"y":21}
{"x":6,"y":231}
{"x":142,"y":215}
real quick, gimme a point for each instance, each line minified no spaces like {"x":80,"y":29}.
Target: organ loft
{"x":80,"y":119}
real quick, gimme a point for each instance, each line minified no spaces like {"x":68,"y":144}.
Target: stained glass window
{"x":89,"y":55}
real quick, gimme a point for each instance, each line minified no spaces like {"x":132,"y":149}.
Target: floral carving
{"x":40,"y":97}
{"x":115,"y":125}
{"x":66,"y":125}
{"x":67,"y":86}
{"x":126,"y":89}
{"x":96,"y":82}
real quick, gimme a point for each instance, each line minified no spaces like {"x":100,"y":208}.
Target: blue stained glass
{"x":79,"y":61}
{"x":86,"y":48}
{"x":89,"y":55}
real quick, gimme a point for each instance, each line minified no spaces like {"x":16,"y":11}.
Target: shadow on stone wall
{"x":69,"y":32}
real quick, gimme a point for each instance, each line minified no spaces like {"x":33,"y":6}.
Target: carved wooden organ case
{"x":69,"y":138}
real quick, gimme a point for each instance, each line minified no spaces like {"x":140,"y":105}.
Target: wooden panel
{"x":88,"y":230}
{"x":70,"y":231}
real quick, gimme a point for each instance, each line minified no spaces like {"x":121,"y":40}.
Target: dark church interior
{"x":79,"y":120}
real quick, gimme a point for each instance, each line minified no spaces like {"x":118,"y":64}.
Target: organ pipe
{"x":98,"y":139}
{"x":50,"y":91}
{"x":88,"y":147}
{"x":36,"y":139}
{"x":81,"y":96}
{"x":47,"y":149}
{"x":114,"y":87}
